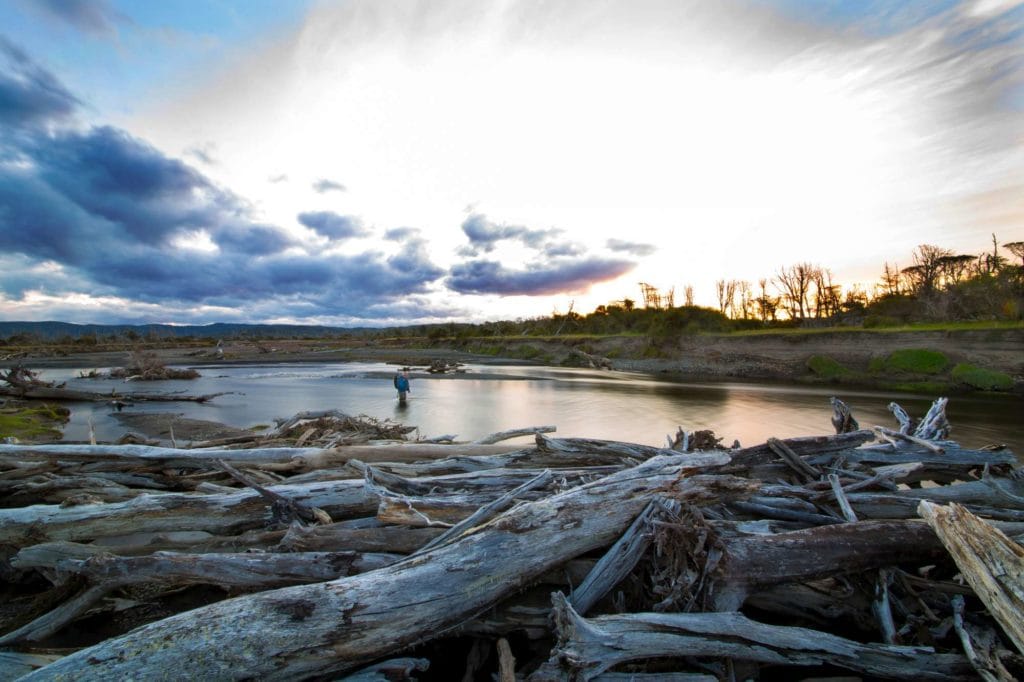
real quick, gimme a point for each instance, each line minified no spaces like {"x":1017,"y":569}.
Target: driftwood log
{"x":333,"y":627}
{"x":799,"y":557}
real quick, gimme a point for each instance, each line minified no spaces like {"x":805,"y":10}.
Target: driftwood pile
{"x":816,"y":557}
{"x":24,"y":383}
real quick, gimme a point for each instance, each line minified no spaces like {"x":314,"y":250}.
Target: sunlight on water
{"x":579,"y":403}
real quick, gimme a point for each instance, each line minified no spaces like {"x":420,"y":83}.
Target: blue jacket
{"x":401,"y":383}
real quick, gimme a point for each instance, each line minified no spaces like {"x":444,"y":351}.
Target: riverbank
{"x":946,"y":361}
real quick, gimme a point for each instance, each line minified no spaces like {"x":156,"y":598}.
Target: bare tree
{"x":727,"y":296}
{"x":767,"y":306}
{"x":890,"y":284}
{"x":826,"y":294}
{"x":923,"y":277}
{"x":855,"y":300}
{"x":794,"y":283}
{"x":746,"y":299}
{"x":953,"y":268}
{"x":994,"y":261}
{"x":688,"y":295}
{"x":1017,"y":249}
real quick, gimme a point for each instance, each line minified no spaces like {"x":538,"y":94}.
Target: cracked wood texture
{"x":590,"y":646}
{"x":334,"y":627}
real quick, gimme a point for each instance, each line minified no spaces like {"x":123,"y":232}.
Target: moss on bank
{"x":919,"y":370}
{"x":981,"y":378}
{"x":30,"y":423}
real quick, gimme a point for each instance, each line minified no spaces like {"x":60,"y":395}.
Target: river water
{"x":638,"y":408}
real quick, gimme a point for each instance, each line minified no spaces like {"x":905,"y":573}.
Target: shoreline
{"x":764,"y":358}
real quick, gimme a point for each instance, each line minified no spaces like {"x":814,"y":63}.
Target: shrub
{"x":878,"y":321}
{"x":981,"y":378}
{"x":826,"y":368}
{"x":916,"y":361}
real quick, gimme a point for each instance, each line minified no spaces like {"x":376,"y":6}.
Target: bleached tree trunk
{"x":333,"y":627}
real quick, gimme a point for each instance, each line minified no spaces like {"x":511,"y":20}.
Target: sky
{"x":393,"y":162}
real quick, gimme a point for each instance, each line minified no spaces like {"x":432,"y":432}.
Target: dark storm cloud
{"x":333,"y":225}
{"x":632,"y":248}
{"x":30,"y":95}
{"x":101,"y":212}
{"x":484,"y":234}
{"x":324,"y":185}
{"x":253,"y":240}
{"x":95,"y":17}
{"x":491,"y":277}
{"x":116,"y":177}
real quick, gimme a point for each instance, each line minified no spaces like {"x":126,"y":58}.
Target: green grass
{"x":913,"y":361}
{"x":827,"y":368}
{"x":980,"y":378}
{"x":27,"y":423}
{"x":974,"y":325}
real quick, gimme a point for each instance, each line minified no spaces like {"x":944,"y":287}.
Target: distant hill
{"x":56,"y":330}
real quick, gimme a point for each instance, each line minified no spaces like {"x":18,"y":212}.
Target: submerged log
{"x":334,"y":627}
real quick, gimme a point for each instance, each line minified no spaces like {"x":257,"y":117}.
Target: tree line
{"x":939,"y":285}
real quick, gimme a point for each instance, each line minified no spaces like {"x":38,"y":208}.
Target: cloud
{"x":332,"y":225}
{"x":485,"y":234}
{"x":118,"y":178}
{"x":203,"y":153}
{"x":632,"y":248}
{"x":324,"y":185}
{"x":491,"y":277}
{"x":29,"y":95}
{"x":563,"y":249}
{"x":101,"y":217}
{"x":94,"y":17}
{"x":282,"y":177}
{"x":398,"y":234}
{"x":253,"y":240}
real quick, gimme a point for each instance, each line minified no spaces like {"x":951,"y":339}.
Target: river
{"x":623,"y":406}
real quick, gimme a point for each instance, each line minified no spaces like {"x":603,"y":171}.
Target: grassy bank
{"x":31,"y":422}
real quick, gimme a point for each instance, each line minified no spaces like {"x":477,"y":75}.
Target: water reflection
{"x":580,"y":403}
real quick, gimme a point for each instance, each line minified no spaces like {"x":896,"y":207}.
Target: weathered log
{"x":992,"y":563}
{"x":283,"y":458}
{"x":842,"y":418}
{"x":15,"y":664}
{"x":230,"y":513}
{"x":391,"y":670}
{"x":619,"y":560}
{"x":219,"y":513}
{"x":488,"y":511}
{"x":588,"y":647}
{"x":911,"y":439}
{"x":71,"y":395}
{"x":802,"y":447}
{"x":241,"y":571}
{"x":514,"y":433}
{"x":397,"y":539}
{"x":333,"y":627}
{"x":750,"y":562}
{"x":934,"y":425}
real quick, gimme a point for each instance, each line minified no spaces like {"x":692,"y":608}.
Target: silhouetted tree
{"x":794,"y":283}
{"x":1017,"y":249}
